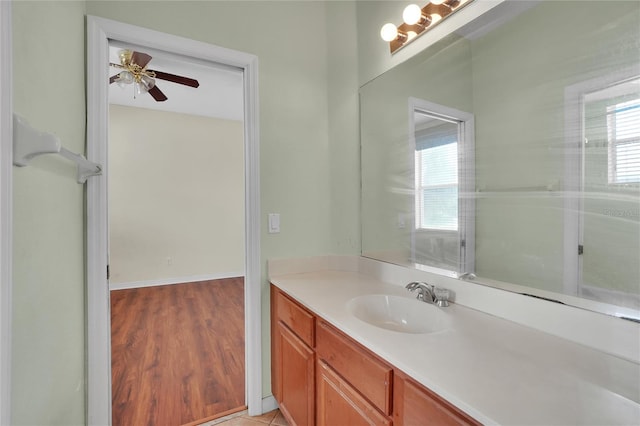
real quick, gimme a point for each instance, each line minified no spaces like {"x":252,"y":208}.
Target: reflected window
{"x":437,"y":177}
{"x":623,"y":126}
{"x":442,"y":142}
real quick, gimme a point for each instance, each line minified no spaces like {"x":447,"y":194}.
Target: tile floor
{"x":272,"y":418}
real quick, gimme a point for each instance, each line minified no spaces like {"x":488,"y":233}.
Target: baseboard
{"x":269,"y":404}
{"x":175,"y":280}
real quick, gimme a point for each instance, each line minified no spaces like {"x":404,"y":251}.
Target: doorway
{"x":101,"y":33}
{"x":602,"y":184}
{"x":176,"y":238}
{"x":609,"y":227}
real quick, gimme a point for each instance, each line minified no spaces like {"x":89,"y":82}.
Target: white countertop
{"x":495,"y":370}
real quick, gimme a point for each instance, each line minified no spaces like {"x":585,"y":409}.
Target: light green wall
{"x":374,"y":57}
{"x":344,"y":126}
{"x":309,"y":157}
{"x":519,"y":109}
{"x":48,"y":281}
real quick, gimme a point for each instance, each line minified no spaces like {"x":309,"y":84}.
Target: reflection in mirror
{"x":442,"y":142}
{"x":552,"y":202}
{"x":609,"y":203}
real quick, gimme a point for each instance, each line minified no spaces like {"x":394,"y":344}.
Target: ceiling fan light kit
{"x":134,"y":71}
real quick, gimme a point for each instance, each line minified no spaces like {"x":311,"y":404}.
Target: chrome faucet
{"x":425,"y":291}
{"x":429,"y":293}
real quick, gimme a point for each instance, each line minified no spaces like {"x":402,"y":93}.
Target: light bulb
{"x":437,"y":2}
{"x":412,"y":14}
{"x":148,"y":82}
{"x":435,"y":17}
{"x":124,"y":78}
{"x":140,"y":88}
{"x":389,"y":32}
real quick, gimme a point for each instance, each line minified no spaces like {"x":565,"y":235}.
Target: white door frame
{"x":573,"y":170}
{"x":6,"y":207}
{"x":99,"y":32}
{"x":466,"y":178}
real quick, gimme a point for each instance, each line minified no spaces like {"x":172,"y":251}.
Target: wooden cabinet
{"x":339,"y":403}
{"x":296,"y":373}
{"x":415,"y":405}
{"x":321,"y":376}
{"x":293,"y":359}
{"x":372,"y":377}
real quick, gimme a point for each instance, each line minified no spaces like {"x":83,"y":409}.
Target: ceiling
{"x":220,"y":94}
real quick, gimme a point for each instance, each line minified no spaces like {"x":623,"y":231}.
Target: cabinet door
{"x":340,"y":404}
{"x":295,"y":367}
{"x":276,"y":364}
{"x":414,"y":405}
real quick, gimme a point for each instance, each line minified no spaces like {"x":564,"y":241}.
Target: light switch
{"x":274,"y":223}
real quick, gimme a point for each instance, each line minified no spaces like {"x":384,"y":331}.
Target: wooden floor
{"x":177,"y":352}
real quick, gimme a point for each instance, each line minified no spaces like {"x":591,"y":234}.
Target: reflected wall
{"x":536,"y":204}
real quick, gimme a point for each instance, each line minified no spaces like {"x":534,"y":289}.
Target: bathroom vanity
{"x":332,"y":365}
{"x":322,"y":376}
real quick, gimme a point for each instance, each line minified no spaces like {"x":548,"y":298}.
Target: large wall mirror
{"x":509,"y":154}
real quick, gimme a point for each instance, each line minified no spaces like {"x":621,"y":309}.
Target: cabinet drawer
{"x":340,"y":404}
{"x":297,"y":318}
{"x":370,"y":376}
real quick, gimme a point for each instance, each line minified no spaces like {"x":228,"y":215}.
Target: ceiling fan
{"x":134,"y":71}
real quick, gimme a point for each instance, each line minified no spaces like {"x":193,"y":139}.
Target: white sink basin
{"x":398,"y":313}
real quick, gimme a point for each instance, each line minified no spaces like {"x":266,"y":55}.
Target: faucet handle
{"x":441,"y":296}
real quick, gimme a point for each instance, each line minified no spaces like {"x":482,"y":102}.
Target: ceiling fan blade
{"x":113,"y":78}
{"x":176,"y":78}
{"x":140,"y":58}
{"x":157,"y":94}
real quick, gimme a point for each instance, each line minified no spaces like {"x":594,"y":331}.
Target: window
{"x":623,"y":129}
{"x":436,"y":160}
{"x":441,"y":141}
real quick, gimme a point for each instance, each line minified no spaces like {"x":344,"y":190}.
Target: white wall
{"x":176,"y":196}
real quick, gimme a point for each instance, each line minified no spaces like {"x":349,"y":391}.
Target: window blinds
{"x":437,"y":192}
{"x":623,"y":122}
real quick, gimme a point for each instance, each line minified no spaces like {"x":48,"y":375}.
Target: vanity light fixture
{"x":418,"y":21}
